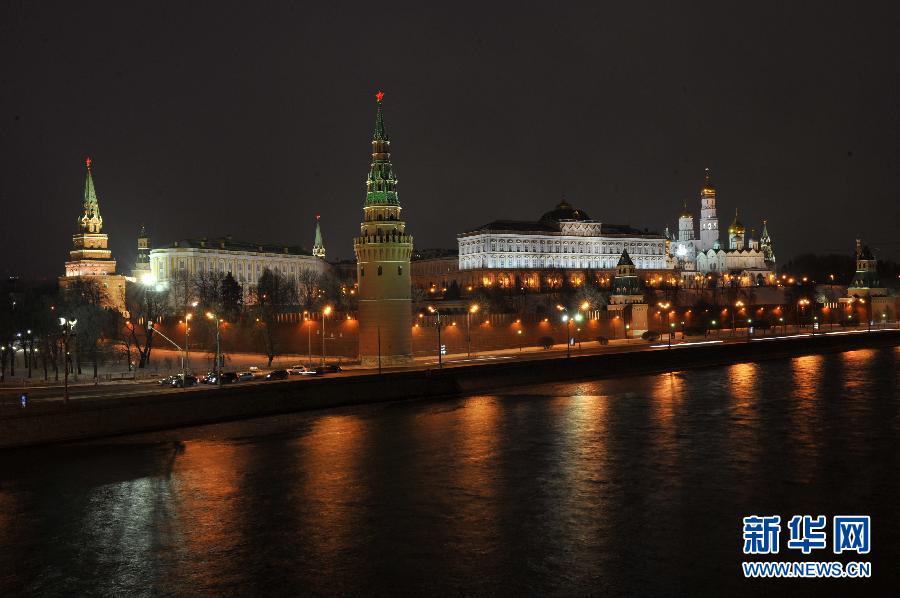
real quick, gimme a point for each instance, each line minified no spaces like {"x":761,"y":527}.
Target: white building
{"x":245,"y":261}
{"x":564,"y":238}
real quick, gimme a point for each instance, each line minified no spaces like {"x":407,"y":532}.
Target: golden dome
{"x":708,"y":187}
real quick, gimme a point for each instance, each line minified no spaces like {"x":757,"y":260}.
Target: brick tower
{"x":383,"y":251}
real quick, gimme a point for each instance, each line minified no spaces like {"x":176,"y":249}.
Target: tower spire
{"x":318,"y":245}
{"x":381,"y":185}
{"x":380,"y":134}
{"x":90,"y":220}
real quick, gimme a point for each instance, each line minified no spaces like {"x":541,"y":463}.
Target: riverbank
{"x":107,"y":416}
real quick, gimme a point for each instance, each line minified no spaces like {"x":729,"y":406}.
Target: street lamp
{"x":187,"y":329}
{"x":213,"y":316}
{"x":325,"y":313}
{"x":437,"y":312}
{"x":738,"y":305}
{"x":473,"y":309}
{"x":68,"y":330}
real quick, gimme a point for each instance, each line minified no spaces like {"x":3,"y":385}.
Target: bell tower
{"x":383,"y":250}
{"x":709,"y":222}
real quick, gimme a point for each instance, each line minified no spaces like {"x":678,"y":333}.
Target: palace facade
{"x":563,"y":246}
{"x":192,"y":258}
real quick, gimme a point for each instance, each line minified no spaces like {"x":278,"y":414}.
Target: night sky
{"x":249,"y":119}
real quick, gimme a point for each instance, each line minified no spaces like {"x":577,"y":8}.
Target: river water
{"x":634,"y":486}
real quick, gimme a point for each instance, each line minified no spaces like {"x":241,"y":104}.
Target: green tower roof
{"x":91,"y":206}
{"x":625,"y":259}
{"x":381,"y":184}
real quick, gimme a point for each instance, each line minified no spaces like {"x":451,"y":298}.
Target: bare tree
{"x":274,"y":294}
{"x":145,"y":303}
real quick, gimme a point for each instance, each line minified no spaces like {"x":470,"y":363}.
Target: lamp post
{"x":737,"y":306}
{"x":800,"y":305}
{"x":187,"y":329}
{"x":308,"y":321}
{"x":68,"y":330}
{"x":472,"y":310}
{"x":437,"y":312}
{"x":213,"y":316}
{"x":568,"y":320}
{"x":325,"y":313}
{"x":180,"y":350}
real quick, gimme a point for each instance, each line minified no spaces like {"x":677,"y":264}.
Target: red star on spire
{"x":318,"y":216}
{"x":379,"y":95}
{"x":87,"y":161}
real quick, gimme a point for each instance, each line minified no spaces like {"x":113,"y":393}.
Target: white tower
{"x":709,"y":223}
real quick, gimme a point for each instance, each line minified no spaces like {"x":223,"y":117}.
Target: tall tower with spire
{"x":383,"y":250}
{"x":90,"y":254}
{"x":709,"y":222}
{"x":141,"y":268}
{"x":765,"y":245}
{"x":90,"y":257}
{"x":318,"y":244}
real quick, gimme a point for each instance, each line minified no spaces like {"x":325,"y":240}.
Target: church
{"x":747,"y":260}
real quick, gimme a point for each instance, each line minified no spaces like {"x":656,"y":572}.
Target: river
{"x":632,"y":486}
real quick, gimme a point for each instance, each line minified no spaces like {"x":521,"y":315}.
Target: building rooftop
{"x":228,"y":243}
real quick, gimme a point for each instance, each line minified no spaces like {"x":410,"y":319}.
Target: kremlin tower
{"x":318,"y":244}
{"x":383,"y":251}
{"x":709,"y":223}
{"x":90,"y":257}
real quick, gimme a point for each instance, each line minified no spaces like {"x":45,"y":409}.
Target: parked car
{"x":328,"y":368}
{"x":227,"y":378}
{"x":209,"y":378}
{"x":245,"y":376}
{"x":167,"y":381}
{"x":299,"y":370}
{"x":180,"y":381}
{"x":277,"y":375}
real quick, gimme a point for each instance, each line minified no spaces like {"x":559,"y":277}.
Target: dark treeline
{"x":47,"y":330}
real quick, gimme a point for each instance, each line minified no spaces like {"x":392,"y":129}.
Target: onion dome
{"x":736,"y":227}
{"x":564,"y":211}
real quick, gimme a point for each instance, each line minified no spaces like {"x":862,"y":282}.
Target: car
{"x":298,"y":370}
{"x":167,"y":381}
{"x":227,"y":378}
{"x":245,"y":376}
{"x":277,"y":375}
{"x":329,"y":368}
{"x":180,"y":381}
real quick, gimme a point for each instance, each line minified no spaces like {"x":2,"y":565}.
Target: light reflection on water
{"x":614,"y":486}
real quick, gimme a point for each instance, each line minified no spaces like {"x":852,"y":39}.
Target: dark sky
{"x":211,"y":118}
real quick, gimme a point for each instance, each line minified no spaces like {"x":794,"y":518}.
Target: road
{"x":10,"y":395}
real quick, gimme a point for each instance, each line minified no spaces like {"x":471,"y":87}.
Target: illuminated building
{"x":142,"y":264}
{"x":383,"y":249}
{"x":190,"y":259}
{"x":747,"y":261}
{"x":565,"y":243}
{"x":90,"y":257}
